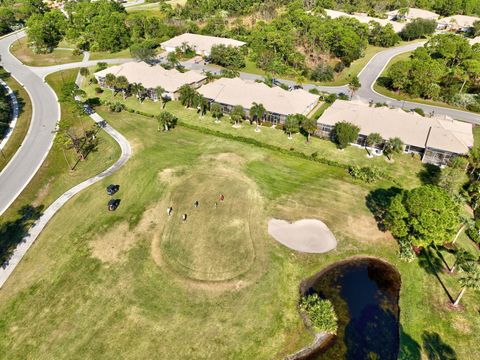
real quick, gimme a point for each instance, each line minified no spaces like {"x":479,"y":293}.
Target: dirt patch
{"x":111,"y":246}
{"x":171,"y":175}
{"x":42,"y":194}
{"x":462,"y":325}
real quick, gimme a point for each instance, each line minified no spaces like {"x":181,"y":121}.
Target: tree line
{"x":5,"y":112}
{"x":447,"y":68}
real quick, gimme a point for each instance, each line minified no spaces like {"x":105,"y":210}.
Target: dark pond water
{"x":365,"y":295}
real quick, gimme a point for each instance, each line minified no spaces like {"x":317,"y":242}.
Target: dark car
{"x":113,"y":204}
{"x":112,"y":189}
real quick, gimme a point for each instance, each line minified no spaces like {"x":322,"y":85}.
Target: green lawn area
{"x":147,"y":9}
{"x":20,"y":49}
{"x":54,"y":176}
{"x":136,"y":282}
{"x":378,"y":87}
{"x":23,"y":121}
{"x":100,"y":55}
{"x":405,"y":168}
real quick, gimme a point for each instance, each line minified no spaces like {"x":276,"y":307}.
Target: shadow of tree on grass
{"x":435,"y":348}
{"x":429,"y":260}
{"x":12,"y":232}
{"x":378,"y":200}
{"x":430,"y":174}
{"x":409,"y":348}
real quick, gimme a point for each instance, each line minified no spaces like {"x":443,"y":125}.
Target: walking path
{"x":13,"y":122}
{"x":7,"y":269}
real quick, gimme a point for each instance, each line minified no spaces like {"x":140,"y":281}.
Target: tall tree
{"x":469,"y":280}
{"x":425,"y":215}
{"x":216,"y":111}
{"x":309,"y":125}
{"x":45,"y":30}
{"x":345,"y":133}
{"x":187,"y":95}
{"x":166,"y":120}
{"x":354,"y":85}
{"x":237,"y":114}
{"x":291,"y":125}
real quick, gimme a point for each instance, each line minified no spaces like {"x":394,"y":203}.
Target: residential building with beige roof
{"x":437,"y":139}
{"x":457,"y":22}
{"x":411,"y":14}
{"x":334,"y":14}
{"x":278,"y":102}
{"x":152,"y":76}
{"x":201,"y":44}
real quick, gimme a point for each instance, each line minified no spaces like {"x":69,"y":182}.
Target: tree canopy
{"x":425,"y":215}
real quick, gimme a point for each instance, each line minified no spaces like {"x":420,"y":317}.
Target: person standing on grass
{"x":184,"y":217}
{"x":222,"y":197}
{"x":169,"y":210}
{"x":196,"y":204}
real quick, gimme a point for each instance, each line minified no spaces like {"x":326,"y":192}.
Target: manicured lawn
{"x":405,"y":168}
{"x":108,"y":285}
{"x":147,"y":9}
{"x":23,"y":121}
{"x":378,"y":87}
{"x":28,"y":57}
{"x":54,"y":177}
{"x":100,"y":55}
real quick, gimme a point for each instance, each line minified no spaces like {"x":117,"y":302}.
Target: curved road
{"x":45,"y":116}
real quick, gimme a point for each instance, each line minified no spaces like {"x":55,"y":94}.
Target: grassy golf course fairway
{"x":137,"y":284}
{"x":215,"y":243}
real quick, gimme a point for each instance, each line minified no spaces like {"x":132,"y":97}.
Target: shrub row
{"x":291,"y":152}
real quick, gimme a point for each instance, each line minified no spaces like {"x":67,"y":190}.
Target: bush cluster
{"x":320,"y":313}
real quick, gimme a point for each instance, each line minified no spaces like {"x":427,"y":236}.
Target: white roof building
{"x":202,"y":44}
{"x":439,"y":133}
{"x":458,"y":22}
{"x":334,"y":14}
{"x":232,"y":92}
{"x":414,"y":13}
{"x":151,"y":76}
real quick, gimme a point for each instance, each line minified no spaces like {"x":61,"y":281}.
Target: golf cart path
{"x":39,"y":225}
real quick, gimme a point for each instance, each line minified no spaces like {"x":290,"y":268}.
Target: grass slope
{"x":25,"y":54}
{"x":100,"y":288}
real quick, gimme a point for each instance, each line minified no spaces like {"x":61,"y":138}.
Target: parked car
{"x":113,"y":204}
{"x":112,"y":189}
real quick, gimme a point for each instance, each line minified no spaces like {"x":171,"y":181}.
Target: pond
{"x":364,"y":292}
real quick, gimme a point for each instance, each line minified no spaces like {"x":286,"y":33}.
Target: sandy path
{"x":308,"y":235}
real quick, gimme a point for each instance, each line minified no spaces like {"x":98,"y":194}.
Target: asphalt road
{"x":45,"y":115}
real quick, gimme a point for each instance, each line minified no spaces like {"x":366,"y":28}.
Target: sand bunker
{"x":308,"y":235}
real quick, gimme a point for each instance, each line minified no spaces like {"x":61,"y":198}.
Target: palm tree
{"x":393,"y":146}
{"x":159,"y":92}
{"x":216,"y":111}
{"x":373,"y":139}
{"x":139,"y":91}
{"x":237,"y":114}
{"x":470,"y":280}
{"x":354,"y":85}
{"x":202,"y":105}
{"x":187,"y":95}
{"x":110,"y":80}
{"x":166,"y":120}
{"x":463,"y":260}
{"x":257,"y":113}
{"x":308,"y":125}
{"x":121,"y":83}
{"x":291,"y":125}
